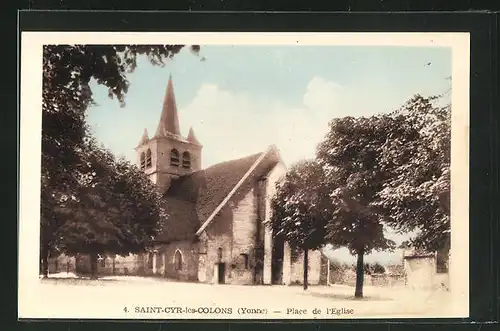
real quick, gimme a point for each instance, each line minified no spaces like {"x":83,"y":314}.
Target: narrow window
{"x":103,"y":262}
{"x":143,"y":161}
{"x":174,"y":158}
{"x":178,"y":260}
{"x":148,"y":159}
{"x":186,"y":160}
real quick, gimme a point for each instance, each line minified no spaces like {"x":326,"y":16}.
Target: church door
{"x":221,"y":273}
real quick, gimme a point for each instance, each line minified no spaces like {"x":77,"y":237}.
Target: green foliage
{"x":349,"y":156}
{"x":116,"y":208}
{"x":67,"y":72}
{"x":385,"y":170}
{"x":300,"y":207}
{"x":416,"y":159}
{"x":378,"y":268}
{"x":373,"y":268}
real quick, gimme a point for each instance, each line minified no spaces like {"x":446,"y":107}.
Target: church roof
{"x":191,"y":200}
{"x":169,"y":120}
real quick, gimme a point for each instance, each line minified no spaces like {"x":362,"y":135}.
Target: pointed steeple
{"x":144,"y":138}
{"x":169,"y":121}
{"x":192,"y":138}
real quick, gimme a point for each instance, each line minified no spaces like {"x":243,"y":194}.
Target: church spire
{"x":169,"y":121}
{"x":192,"y":138}
{"x":144,"y":138}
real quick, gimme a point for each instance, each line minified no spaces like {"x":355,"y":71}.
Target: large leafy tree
{"x":349,"y":157}
{"x":416,"y":159}
{"x":67,"y":72}
{"x":301,"y":208}
{"x":116,"y":209}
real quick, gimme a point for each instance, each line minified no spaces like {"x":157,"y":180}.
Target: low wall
{"x":62,"y":263}
{"x":348,"y":277}
{"x":133,"y":264}
{"x":387,"y":280}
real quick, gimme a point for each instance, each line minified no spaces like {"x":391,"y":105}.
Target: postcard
{"x":254,"y":176}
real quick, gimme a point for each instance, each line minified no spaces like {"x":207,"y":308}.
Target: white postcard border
{"x":32,"y":303}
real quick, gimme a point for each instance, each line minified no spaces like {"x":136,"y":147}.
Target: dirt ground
{"x":66,"y":296}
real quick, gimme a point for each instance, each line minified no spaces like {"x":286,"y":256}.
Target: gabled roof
{"x":192,"y":200}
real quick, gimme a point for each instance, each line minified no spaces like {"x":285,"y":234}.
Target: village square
{"x":257,"y":233}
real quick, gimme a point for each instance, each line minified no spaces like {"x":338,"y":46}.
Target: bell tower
{"x":168,"y":155}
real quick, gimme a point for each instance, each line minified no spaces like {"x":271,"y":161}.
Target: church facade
{"x":215,"y":231}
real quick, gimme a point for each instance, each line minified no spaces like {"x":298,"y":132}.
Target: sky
{"x":241,"y":99}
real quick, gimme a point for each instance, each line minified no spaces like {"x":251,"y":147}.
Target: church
{"x":215,"y":231}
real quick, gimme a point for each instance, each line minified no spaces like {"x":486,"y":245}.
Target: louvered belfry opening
{"x":186,"y":160}
{"x":174,"y":158}
{"x":149,"y":162}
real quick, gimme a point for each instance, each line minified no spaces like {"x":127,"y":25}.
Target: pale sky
{"x":240,"y":99}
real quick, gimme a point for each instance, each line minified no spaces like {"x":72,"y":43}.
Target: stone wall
{"x":187,"y":270}
{"x":420,"y":272}
{"x":385,"y":280}
{"x":219,"y":245}
{"x":244,"y":232}
{"x":270,"y":189}
{"x":62,"y":263}
{"x":161,"y":172}
{"x":314,"y":268}
{"x":441,"y":281}
{"x":133,"y":264}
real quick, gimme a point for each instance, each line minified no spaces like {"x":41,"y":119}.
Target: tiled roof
{"x":191,"y":199}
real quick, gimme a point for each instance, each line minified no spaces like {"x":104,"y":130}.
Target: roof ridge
{"x":234,"y":189}
{"x":233,"y":160}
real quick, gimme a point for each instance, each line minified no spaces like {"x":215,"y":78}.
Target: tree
{"x":378,"y":268}
{"x":116,"y":209}
{"x":67,"y":72}
{"x":416,"y":159}
{"x":374,"y":268}
{"x":349,"y":158}
{"x":300,"y":209}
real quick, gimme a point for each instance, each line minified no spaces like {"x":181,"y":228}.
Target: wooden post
{"x":306,"y":267}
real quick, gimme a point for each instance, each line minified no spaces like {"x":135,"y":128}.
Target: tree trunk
{"x":45,"y":261}
{"x":328,"y":272}
{"x":360,"y":275}
{"x":306,"y":268}
{"x":93,"y":265}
